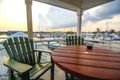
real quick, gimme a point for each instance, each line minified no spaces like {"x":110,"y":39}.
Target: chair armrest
{"x":40,"y":50}
{"x":16,"y":66}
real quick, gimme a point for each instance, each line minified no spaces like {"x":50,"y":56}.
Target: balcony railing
{"x":3,"y":69}
{"x":44,"y":44}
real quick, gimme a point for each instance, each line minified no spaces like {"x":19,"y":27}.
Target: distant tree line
{"x":99,"y":31}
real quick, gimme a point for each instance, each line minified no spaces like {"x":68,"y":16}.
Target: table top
{"x":88,"y":64}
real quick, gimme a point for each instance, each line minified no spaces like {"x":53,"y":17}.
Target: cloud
{"x":113,"y":23}
{"x":43,"y":22}
{"x":106,"y":11}
{"x":61,"y":18}
{"x":1,"y":1}
{"x":1,"y":5}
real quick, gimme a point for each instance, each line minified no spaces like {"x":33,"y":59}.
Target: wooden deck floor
{"x":59,"y":74}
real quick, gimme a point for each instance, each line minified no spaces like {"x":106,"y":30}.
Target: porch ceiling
{"x":75,"y":4}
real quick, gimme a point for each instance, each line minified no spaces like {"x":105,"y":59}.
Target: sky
{"x":47,"y":17}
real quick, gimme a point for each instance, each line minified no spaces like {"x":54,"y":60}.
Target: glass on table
{"x":89,"y":45}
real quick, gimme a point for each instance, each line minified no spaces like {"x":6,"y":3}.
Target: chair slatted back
{"x":74,"y":40}
{"x":21,"y":49}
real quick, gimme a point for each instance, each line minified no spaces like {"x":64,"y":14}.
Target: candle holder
{"x":89,"y":46}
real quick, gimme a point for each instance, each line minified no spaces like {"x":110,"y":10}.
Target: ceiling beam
{"x":75,"y":5}
{"x":59,"y":4}
{"x":87,"y":4}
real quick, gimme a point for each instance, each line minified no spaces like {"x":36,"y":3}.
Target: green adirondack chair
{"x":24,"y":61}
{"x":73,"y":40}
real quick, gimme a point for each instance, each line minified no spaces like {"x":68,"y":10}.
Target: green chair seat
{"x":39,"y":69}
{"x":24,"y":61}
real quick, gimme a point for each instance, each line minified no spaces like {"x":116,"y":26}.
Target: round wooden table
{"x":88,"y":64}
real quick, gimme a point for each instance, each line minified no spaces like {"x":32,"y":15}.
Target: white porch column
{"x":79,"y":21}
{"x":29,"y":18}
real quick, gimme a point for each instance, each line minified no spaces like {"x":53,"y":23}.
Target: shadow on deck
{"x":59,"y":75}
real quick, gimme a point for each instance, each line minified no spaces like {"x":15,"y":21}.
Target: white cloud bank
{"x":62,"y":18}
